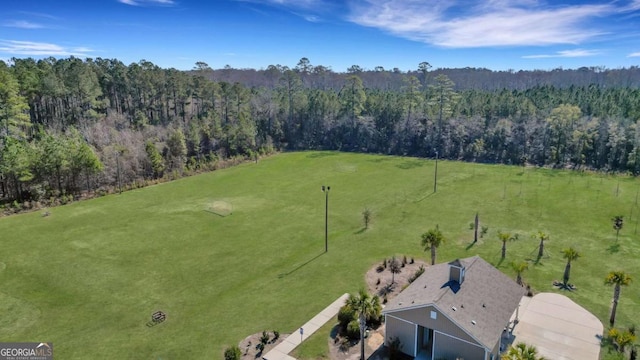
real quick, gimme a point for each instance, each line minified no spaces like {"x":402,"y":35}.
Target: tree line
{"x":69,"y":125}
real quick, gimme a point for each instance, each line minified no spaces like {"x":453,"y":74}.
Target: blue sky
{"x":494,"y":34}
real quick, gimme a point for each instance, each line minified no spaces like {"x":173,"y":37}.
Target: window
{"x":434,"y":315}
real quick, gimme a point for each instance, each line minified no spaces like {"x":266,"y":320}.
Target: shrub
{"x":416,"y":274}
{"x":345,"y":316}
{"x":260,"y":347}
{"x":484,"y":231}
{"x":344,"y":344}
{"x":412,"y":261}
{"x":378,"y":282}
{"x":264,"y":339}
{"x":380,"y":268}
{"x":276,"y":335}
{"x":366,"y":214}
{"x":394,"y":348}
{"x":404,"y":259}
{"x":232,"y":353}
{"x":353,"y":330}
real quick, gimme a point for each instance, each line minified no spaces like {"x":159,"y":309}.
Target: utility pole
{"x":326,"y":189}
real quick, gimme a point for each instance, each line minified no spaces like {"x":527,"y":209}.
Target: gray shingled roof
{"x":486,"y":296}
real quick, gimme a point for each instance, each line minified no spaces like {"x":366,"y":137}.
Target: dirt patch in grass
{"x":379,"y":282}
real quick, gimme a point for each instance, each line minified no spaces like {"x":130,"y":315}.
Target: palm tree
{"x":522,"y":351}
{"x":504,"y":237}
{"x":617,"y":279}
{"x":543,"y":237}
{"x":394,"y":267}
{"x":570,"y":254}
{"x":367,"y":308}
{"x":618,"y":223}
{"x":432,"y":239}
{"x":622,"y":339}
{"x":519,"y":268}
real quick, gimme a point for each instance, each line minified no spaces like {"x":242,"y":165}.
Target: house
{"x":454,"y":310}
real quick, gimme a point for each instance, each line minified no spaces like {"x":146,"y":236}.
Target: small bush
{"x":344,"y":344}
{"x":404,"y":260}
{"x":378,"y":282}
{"x":380,"y":268}
{"x":260,"y":347}
{"x":276,"y":335}
{"x":353,"y":330}
{"x":394,"y":348}
{"x":345,"y":316}
{"x":416,"y":274}
{"x":384,"y":263}
{"x":232,"y":353}
{"x":412,"y":261}
{"x":484,"y":231}
{"x":264,"y":339}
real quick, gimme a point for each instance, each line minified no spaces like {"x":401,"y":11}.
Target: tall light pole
{"x":435,"y":175}
{"x":325,"y":190}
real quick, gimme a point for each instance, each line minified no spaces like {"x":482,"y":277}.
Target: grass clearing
{"x":94,"y":271}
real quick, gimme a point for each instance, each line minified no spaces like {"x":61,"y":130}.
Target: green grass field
{"x":237,"y":251}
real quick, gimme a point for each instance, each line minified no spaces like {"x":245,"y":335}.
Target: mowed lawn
{"x":88,"y":277}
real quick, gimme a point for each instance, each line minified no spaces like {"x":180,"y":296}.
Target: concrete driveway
{"x":558,"y":327}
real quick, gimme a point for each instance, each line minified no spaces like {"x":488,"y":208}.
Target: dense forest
{"x":71,"y":126}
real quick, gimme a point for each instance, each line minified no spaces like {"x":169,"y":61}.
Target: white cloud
{"x":635,"y":54}
{"x":40,"y":15}
{"x":312,"y":18}
{"x":22,"y":24}
{"x":634,"y":5}
{"x":33,"y":48}
{"x":147,"y":2}
{"x":565,"y":54}
{"x":306,"y":4}
{"x":309,"y":5}
{"x":459,"y":24}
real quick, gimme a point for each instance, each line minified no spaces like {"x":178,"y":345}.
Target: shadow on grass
{"x":471,"y":245}
{"x":379,"y":160}
{"x":321,"y":155}
{"x":536,"y":261}
{"x":564,"y":286}
{"x":613,"y":248}
{"x":215,"y":213}
{"x":280,"y":276}
{"x":426,"y":196}
{"x":360,"y":231}
{"x":410,"y":164}
{"x":154,"y":323}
